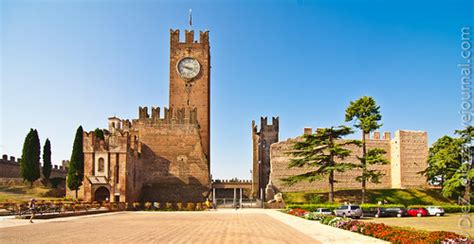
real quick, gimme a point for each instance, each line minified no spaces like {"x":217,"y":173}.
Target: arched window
{"x":101,"y":165}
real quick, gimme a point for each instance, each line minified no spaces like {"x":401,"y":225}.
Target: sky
{"x":70,"y":63}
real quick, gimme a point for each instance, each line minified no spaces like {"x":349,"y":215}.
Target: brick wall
{"x":174,"y":166}
{"x":411,"y":152}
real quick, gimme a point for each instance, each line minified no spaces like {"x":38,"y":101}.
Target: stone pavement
{"x":222,"y":226}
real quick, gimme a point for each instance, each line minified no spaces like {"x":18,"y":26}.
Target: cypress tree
{"x":30,"y":158}
{"x":75,"y":172}
{"x":47,"y":160}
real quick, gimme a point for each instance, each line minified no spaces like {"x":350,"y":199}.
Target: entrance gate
{"x":233,"y":194}
{"x":101,"y":194}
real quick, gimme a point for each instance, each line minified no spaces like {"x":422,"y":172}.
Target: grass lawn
{"x":24,"y":193}
{"x":419,"y":196}
{"x":445,"y":223}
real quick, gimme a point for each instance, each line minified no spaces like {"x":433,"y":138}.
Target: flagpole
{"x":190,"y":18}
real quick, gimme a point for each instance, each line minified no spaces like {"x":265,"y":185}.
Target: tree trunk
{"x":31,"y":184}
{"x":76,"y":194}
{"x":467,"y":192}
{"x":442,"y":182}
{"x":364,"y":166}
{"x":331,"y":173}
{"x":331,"y":187}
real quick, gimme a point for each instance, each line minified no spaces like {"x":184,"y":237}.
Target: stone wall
{"x":10,"y":168}
{"x":412,"y":159}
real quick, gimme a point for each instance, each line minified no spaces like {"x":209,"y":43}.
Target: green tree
{"x":75,"y":172}
{"x":30,"y":158}
{"x":365,"y":114}
{"x":47,"y":160}
{"x":465,"y":174}
{"x":99,"y":133}
{"x":444,"y":159}
{"x":324,"y":153}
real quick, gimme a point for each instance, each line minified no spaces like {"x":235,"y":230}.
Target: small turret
{"x":114,"y":124}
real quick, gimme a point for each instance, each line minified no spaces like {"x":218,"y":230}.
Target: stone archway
{"x":102,"y":194}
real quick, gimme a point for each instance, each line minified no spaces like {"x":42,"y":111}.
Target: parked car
{"x":391,"y":212}
{"x":435,"y":210}
{"x":323,"y":211}
{"x":351,"y":211}
{"x":418,"y":212}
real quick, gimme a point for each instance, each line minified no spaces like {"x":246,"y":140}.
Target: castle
{"x":165,"y":156}
{"x":407,"y":153}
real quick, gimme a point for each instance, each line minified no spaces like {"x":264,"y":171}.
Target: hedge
{"x":447,"y":208}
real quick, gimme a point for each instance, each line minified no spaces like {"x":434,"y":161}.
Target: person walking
{"x":33,"y":209}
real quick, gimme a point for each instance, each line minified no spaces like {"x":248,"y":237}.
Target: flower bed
{"x":447,"y":208}
{"x":381,"y":231}
{"x":168,"y":206}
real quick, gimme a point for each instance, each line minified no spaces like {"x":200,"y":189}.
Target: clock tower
{"x":190,"y":78}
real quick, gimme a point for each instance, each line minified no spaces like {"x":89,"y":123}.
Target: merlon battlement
{"x":189,"y":37}
{"x":118,"y":139}
{"x":264,"y":126}
{"x":11,"y":160}
{"x":171,"y":115}
{"x":16,"y":161}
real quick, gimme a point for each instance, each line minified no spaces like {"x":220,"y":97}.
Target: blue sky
{"x":70,"y":63}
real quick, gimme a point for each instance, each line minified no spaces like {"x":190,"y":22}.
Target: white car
{"x":435,"y":210}
{"x":323,"y":211}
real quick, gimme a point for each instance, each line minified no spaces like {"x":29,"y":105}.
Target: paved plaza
{"x":223,"y":226}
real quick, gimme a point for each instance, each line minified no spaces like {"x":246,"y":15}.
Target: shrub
{"x":179,"y":206}
{"x":136,"y":205}
{"x":190,"y":206}
{"x":313,"y":216}
{"x":168,"y":206}
{"x":312,"y":207}
{"x":148,"y":205}
{"x":55,"y":182}
{"x":198,"y":206}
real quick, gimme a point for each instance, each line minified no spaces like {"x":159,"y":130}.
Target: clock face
{"x":188,"y":68}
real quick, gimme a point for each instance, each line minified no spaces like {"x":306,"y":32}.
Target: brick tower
{"x":190,"y":79}
{"x":262,"y":140}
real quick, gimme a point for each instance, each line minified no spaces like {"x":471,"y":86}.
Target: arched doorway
{"x":102,"y":194}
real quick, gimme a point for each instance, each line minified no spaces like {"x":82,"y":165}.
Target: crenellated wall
{"x":407,"y":154}
{"x":10,"y":168}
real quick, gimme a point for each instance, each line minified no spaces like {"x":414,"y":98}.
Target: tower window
{"x":101,"y":165}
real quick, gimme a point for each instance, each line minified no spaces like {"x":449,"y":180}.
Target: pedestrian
{"x":33,"y":209}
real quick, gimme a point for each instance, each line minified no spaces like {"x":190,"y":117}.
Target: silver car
{"x":323,"y":211}
{"x":351,"y":211}
{"x":435,"y":210}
